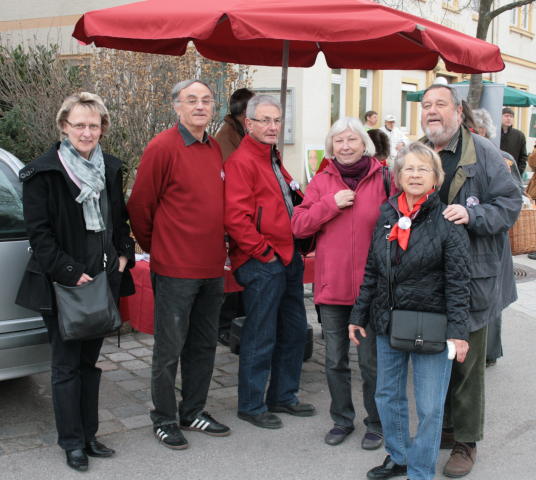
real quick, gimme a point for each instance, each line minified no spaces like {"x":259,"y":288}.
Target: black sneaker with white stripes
{"x":206,"y":424}
{"x":170,"y":436}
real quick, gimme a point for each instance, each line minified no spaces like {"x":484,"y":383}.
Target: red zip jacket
{"x":176,"y":207}
{"x":256,"y":217}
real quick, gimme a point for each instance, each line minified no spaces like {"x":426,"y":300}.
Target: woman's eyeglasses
{"x":419,"y":171}
{"x":93,"y":127}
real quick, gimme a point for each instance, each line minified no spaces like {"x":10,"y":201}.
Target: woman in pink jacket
{"x":341,"y":206}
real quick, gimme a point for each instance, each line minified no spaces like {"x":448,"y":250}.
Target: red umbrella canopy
{"x":350,"y":33}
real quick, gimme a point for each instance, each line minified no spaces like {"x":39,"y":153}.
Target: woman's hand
{"x":122,"y":263}
{"x":84,"y":278}
{"x":351,"y":333}
{"x":344,"y":198}
{"x":462,"y":347}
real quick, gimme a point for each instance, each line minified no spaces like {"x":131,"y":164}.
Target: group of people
{"x":442,"y":213}
{"x":389,"y":139}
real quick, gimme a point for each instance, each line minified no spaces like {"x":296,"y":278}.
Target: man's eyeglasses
{"x":82,"y":126}
{"x":193,"y":101}
{"x":267,"y":121}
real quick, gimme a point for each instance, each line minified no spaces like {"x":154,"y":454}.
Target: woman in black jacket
{"x":429,"y":265}
{"x":75,"y":216}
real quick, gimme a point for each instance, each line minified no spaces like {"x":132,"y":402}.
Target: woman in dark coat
{"x":76,"y":218}
{"x":430,"y":266}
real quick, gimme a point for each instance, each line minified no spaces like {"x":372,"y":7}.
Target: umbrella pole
{"x":283,"y":94}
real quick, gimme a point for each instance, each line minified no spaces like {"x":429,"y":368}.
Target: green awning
{"x":512,"y":96}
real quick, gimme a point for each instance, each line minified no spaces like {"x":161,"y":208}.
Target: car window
{"x":11,"y":217}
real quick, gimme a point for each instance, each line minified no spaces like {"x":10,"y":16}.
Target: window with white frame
{"x":405,"y":105}
{"x":520,"y":17}
{"x":365,"y":92}
{"x":524,"y":13}
{"x":337,"y":94}
{"x":452,"y":5}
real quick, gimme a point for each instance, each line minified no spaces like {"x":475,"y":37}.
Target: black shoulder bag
{"x":304,"y":245}
{"x":89,"y":310}
{"x":411,"y":330}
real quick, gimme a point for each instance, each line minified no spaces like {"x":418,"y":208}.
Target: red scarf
{"x":398,"y":233}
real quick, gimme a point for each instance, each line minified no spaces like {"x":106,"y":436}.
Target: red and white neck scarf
{"x":400,"y":234}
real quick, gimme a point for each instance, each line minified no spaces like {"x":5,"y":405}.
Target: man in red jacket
{"x":259,"y":200}
{"x":176,"y":214}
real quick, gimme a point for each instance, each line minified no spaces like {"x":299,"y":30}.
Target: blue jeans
{"x":273,"y":336}
{"x":431,"y":375}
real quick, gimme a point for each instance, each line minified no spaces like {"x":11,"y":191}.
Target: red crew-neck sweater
{"x":176,"y":207}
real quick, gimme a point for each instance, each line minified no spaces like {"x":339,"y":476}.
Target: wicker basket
{"x":523,"y":233}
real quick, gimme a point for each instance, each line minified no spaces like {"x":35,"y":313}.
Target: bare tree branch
{"x":508,"y":6}
{"x":134,"y":86}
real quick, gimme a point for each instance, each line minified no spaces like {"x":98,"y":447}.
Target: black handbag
{"x":86,"y":311}
{"x":411,"y":330}
{"x":89,"y":310}
{"x":304,"y":245}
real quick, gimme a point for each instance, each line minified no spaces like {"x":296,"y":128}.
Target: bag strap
{"x":104,"y":206}
{"x":104,"y":237}
{"x":387,"y":186}
{"x":390,"y":299}
{"x":386,"y":181}
{"x":419,"y":339}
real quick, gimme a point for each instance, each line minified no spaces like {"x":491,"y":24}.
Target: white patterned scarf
{"x":91,"y":175}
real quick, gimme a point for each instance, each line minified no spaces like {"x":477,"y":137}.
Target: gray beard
{"x":442,"y":137}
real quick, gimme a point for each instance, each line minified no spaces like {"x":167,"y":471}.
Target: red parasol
{"x":350,"y":33}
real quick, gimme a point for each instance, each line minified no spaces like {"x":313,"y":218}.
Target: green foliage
{"x":14,"y":135}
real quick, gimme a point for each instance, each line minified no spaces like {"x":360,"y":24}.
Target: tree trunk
{"x":484,"y":20}
{"x":475,"y":90}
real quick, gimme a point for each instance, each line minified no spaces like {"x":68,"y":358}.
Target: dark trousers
{"x":335,"y":327}
{"x":186,"y":328}
{"x":75,"y":386}
{"x":366,"y":357}
{"x":231,"y":308}
{"x":494,"y":344}
{"x":464,"y":406}
{"x":75,"y":381}
{"x":273,"y":336}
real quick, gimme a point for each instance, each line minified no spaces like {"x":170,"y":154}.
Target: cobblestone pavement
{"x":125,"y":398}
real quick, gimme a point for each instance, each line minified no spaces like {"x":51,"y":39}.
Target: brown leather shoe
{"x":461,"y":461}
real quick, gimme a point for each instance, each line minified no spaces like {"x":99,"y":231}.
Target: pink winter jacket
{"x":343,"y":235}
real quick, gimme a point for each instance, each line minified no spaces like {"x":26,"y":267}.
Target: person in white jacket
{"x":397,"y":139}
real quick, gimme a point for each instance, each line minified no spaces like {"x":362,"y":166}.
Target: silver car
{"x":24,"y":347}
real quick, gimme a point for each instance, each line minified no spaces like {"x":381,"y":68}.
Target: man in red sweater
{"x":259,"y":200}
{"x":176,"y":214}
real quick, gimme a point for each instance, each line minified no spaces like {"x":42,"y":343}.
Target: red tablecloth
{"x":138,"y":308}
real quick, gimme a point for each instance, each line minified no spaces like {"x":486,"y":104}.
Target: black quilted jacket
{"x":432,"y":275}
